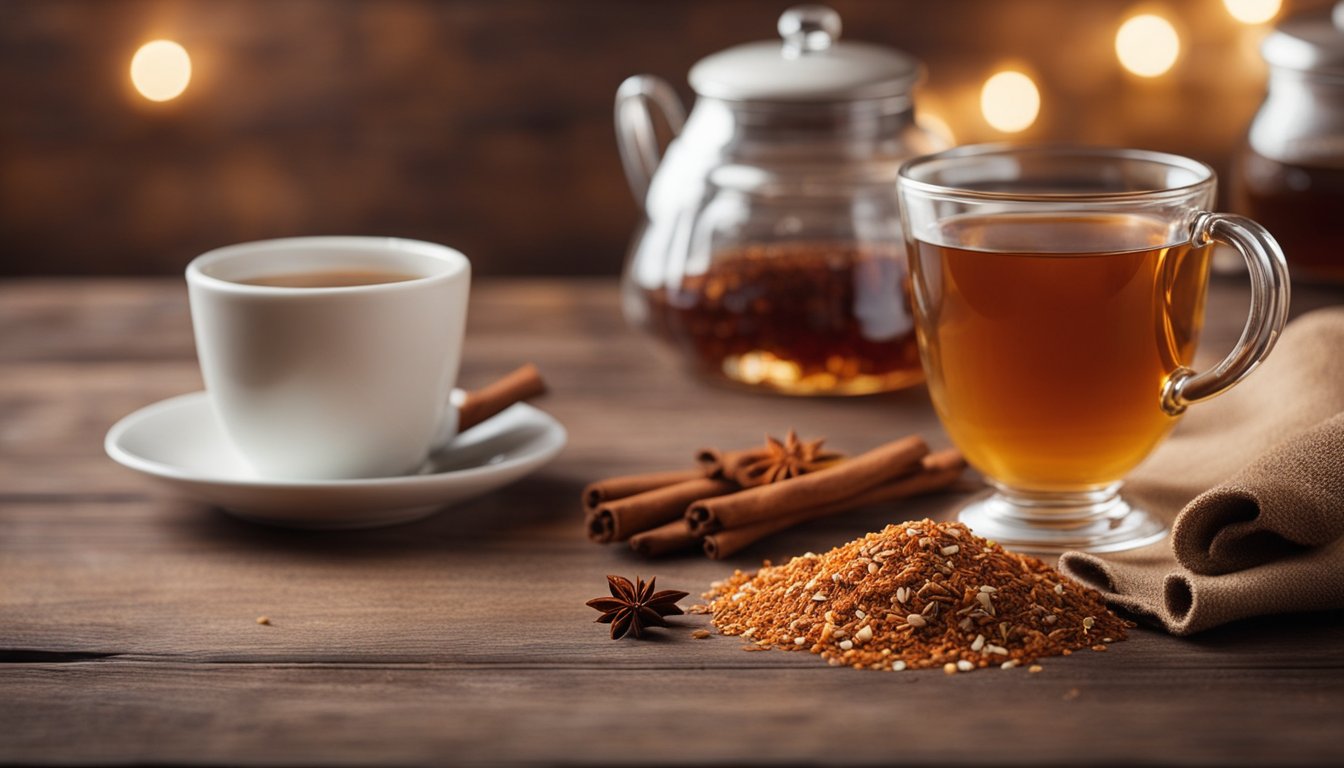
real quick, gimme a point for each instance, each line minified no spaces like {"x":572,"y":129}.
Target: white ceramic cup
{"x":331,"y":383}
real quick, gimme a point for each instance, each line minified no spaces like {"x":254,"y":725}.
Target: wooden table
{"x":128,"y":625}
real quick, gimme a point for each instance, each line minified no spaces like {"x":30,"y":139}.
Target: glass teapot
{"x":1289,"y":176}
{"x":771,"y":254}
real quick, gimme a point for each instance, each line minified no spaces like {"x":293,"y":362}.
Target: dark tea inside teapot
{"x":771,"y":252}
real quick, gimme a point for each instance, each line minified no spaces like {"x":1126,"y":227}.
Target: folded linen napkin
{"x":1255,"y":483}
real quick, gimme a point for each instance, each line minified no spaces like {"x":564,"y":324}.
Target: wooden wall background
{"x":484,"y":124}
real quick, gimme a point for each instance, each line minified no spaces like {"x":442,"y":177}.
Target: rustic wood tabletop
{"x":128,"y":615}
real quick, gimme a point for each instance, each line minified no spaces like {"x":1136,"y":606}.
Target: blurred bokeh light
{"x":161,"y":70}
{"x":1253,"y":11}
{"x":1147,"y":45}
{"x":1010,"y":101}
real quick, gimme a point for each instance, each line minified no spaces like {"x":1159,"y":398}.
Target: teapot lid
{"x":810,"y":65}
{"x":1310,"y":42}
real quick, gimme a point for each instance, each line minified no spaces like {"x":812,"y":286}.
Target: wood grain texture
{"x":1119,"y":713}
{"x":128,"y":617}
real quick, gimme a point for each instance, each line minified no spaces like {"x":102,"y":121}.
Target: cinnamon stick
{"x":480,"y":404}
{"x":826,"y":486}
{"x":620,"y":519}
{"x":664,"y":540}
{"x":935,"y":472}
{"x":727,"y":464}
{"x":628,"y":485}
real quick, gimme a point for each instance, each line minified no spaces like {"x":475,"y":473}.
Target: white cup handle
{"x":447,"y":430}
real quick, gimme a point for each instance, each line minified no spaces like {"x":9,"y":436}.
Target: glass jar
{"x":771,"y":253}
{"x":1289,"y":176}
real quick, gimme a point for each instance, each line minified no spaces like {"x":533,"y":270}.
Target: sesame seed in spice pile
{"x":916,"y":595}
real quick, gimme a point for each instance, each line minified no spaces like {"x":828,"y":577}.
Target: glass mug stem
{"x":1270,"y":295}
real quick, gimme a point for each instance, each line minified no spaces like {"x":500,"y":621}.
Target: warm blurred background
{"x":486,"y":124}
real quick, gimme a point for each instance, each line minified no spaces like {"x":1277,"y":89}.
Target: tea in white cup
{"x":331,"y":357}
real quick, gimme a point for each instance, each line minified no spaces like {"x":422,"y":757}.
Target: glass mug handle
{"x":1269,"y":309}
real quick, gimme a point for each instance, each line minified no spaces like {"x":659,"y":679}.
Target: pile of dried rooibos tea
{"x":914,"y":596}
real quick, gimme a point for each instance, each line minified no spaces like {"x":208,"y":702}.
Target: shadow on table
{"x":1249,"y":639}
{"x":528,"y":509}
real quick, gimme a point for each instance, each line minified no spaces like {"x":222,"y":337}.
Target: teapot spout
{"x":635,"y":136}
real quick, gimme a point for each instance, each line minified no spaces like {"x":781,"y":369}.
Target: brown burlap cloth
{"x":1257,"y":477}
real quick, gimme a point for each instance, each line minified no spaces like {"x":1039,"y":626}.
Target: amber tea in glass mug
{"x":1059,"y":294}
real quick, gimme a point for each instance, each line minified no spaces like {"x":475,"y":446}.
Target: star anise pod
{"x":632,"y":608}
{"x":791,"y":458}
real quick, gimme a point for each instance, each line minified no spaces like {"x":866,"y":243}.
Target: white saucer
{"x":179,"y":442}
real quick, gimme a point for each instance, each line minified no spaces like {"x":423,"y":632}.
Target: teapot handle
{"x":635,"y":136}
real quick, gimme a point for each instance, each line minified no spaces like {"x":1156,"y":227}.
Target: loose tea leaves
{"x":916,"y":595}
{"x":634,"y":607}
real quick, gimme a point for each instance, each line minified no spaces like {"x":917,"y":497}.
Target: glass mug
{"x":1058,"y":298}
